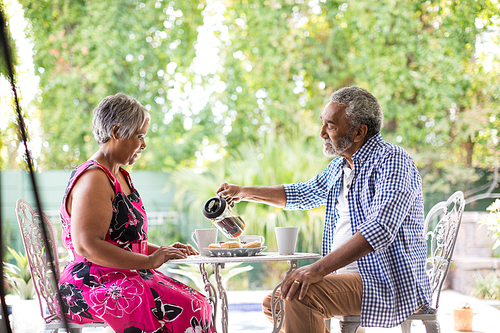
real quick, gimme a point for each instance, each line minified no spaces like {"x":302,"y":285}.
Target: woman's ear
{"x":114,"y":132}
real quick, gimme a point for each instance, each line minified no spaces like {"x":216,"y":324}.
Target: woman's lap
{"x":142,"y":301}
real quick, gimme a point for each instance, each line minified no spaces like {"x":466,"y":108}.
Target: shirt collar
{"x":360,"y":156}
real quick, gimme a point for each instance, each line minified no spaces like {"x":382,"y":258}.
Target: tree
{"x":88,"y":50}
{"x":279,"y":160}
{"x":419,"y":58}
{"x":278,"y":63}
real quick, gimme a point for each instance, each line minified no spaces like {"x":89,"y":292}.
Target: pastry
{"x":251,"y":244}
{"x":214,"y":246}
{"x":230,"y":245}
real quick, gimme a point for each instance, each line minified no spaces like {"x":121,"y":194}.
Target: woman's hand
{"x":186,"y":249}
{"x":231,"y":193}
{"x":165,"y":253}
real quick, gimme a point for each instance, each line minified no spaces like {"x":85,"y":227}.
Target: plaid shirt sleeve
{"x":395,"y":192}
{"x":386,"y":206}
{"x":313,"y":193}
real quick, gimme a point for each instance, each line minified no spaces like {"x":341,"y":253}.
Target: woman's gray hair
{"x":118,"y":110}
{"x":362,"y":108}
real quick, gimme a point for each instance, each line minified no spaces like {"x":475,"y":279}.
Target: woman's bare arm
{"x":91,"y":212}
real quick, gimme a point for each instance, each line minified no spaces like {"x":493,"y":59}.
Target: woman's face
{"x":130,"y":149}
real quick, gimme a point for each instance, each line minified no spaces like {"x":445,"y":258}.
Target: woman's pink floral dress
{"x":129,"y":301}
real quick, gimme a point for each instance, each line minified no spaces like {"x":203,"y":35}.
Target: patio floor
{"x":245,"y":315}
{"x":486,"y":317}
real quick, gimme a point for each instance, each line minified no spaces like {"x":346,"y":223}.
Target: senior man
{"x":373,"y":248}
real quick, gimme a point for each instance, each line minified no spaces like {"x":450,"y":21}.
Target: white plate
{"x":238,"y":252}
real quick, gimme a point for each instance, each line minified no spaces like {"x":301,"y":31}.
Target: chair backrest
{"x":441,"y":240}
{"x":43,"y":277}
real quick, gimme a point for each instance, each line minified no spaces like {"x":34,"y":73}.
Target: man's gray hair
{"x":120,"y":110}
{"x":362,"y":108}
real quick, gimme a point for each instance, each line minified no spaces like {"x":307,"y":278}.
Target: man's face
{"x":335,"y":130}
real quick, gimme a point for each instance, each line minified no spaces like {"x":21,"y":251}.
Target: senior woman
{"x":112,"y":277}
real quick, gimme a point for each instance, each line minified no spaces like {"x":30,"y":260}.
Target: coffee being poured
{"x":224,"y":217}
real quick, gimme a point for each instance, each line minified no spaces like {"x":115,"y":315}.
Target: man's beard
{"x":339,"y":147}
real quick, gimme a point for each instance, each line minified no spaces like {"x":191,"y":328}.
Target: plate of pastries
{"x":235,"y":249}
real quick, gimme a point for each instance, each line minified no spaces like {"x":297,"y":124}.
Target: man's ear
{"x":360,"y":133}
{"x":114,"y":132}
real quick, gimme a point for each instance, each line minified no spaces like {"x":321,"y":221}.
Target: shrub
{"x":492,"y":221}
{"x":487,"y":287}
{"x":18,"y":276}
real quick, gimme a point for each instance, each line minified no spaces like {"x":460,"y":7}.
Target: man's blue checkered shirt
{"x":386,"y":206}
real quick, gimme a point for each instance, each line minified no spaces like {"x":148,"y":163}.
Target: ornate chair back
{"x":441,"y":230}
{"x":441,"y":227}
{"x":36,"y":250}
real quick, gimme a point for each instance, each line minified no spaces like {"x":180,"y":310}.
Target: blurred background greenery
{"x":235,"y":89}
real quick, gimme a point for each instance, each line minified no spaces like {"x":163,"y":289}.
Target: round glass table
{"x":218,"y":263}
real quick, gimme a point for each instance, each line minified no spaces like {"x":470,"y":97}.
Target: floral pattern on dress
{"x":130,"y":231}
{"x":117,"y":298}
{"x":81,"y":271}
{"x":74,"y":301}
{"x":197,"y":327}
{"x":146,"y":274}
{"x":164,"y":311}
{"x":142,"y":301}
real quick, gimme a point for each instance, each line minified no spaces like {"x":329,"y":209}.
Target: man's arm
{"x":398,"y":190}
{"x":271,"y":195}
{"x":355,"y":248}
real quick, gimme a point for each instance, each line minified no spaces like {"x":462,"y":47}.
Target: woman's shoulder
{"x":94,"y":173}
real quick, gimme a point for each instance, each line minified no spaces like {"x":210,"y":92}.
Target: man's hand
{"x":301,"y":278}
{"x":231,"y":193}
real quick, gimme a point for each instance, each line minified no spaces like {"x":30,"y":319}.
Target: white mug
{"x":204,"y":237}
{"x":252,"y":238}
{"x":286,"y":237}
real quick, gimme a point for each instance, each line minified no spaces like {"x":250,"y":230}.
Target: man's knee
{"x":266,"y":304}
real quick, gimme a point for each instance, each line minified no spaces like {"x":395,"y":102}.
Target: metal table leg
{"x":222,"y":295}
{"x":212,"y":296}
{"x":278,"y":318}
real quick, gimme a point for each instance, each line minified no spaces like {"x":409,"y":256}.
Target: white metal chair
{"x":29,"y":222}
{"x":441,"y":243}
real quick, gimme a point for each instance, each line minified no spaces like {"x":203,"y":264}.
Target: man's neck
{"x":351,"y":151}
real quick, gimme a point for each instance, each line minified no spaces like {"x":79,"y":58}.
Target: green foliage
{"x":159,"y":234}
{"x":88,"y":50}
{"x":418,"y":58}
{"x":8,"y":133}
{"x":492,"y":221}
{"x":18,"y":276}
{"x":487,"y":287}
{"x":278,"y":63}
{"x":9,"y":41}
{"x":275,"y":161}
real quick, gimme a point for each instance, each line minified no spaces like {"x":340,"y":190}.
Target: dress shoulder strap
{"x":128,"y":179}
{"x":108,"y":173}
{"x":75,"y":175}
{"x":84,"y":167}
